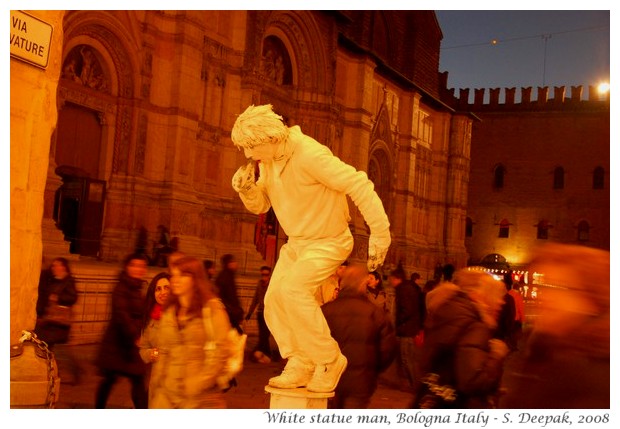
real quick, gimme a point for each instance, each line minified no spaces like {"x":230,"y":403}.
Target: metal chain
{"x":49,"y":355}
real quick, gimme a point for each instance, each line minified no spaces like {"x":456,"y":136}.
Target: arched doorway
{"x":78,"y":151}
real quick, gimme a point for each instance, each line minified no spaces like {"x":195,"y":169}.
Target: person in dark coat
{"x":119,"y":352}
{"x":506,"y":320}
{"x":57,"y":285}
{"x":458,"y":341}
{"x":226,"y":284}
{"x":262,"y":351}
{"x":365,"y":335}
{"x":408,"y":324}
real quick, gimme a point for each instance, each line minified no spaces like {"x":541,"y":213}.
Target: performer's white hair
{"x":258,"y":125}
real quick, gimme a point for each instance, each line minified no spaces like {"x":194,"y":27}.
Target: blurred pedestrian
{"x":447,"y":272}
{"x":57,"y":295}
{"x":517,"y":327}
{"x":156,"y":297}
{"x":119,"y":350}
{"x":365,"y":335}
{"x":210,"y":269}
{"x":162,"y":248}
{"x":459,"y":346}
{"x":567,"y":353}
{"x":507,"y":314}
{"x":226,"y":283}
{"x":173,"y":257}
{"x":415,"y":277}
{"x":408,"y":325}
{"x":193,"y":341}
{"x":262,"y":351}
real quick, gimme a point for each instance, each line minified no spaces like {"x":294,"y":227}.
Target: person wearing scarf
{"x":156,"y":296}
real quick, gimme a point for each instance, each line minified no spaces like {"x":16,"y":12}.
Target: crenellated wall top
{"x":544,"y":98}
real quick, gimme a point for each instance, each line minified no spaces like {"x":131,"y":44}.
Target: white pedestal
{"x":298,"y":398}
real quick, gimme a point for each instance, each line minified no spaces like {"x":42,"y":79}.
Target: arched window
{"x":583,"y":231}
{"x":598,"y":178}
{"x":498,"y":176}
{"x":542,"y":230}
{"x":469,"y":227}
{"x":504,"y":228}
{"x":558,"y":178}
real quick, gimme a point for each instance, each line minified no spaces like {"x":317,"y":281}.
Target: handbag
{"x":58,"y":314}
{"x":433,"y":394}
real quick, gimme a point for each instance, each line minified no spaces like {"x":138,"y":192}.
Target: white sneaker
{"x":296,"y":374}
{"x":326,"y":377}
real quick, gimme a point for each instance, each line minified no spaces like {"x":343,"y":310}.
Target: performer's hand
{"x":244,"y":178}
{"x":378,"y":245}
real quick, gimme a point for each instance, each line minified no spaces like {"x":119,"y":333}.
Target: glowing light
{"x":603,"y":88}
{"x":494,"y":42}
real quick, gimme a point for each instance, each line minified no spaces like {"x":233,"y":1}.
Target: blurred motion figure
{"x":568,"y":350}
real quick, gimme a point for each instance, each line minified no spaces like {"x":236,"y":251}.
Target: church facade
{"x":146,"y":101}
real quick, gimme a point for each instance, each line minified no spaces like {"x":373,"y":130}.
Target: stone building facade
{"x":136,"y":109}
{"x":540,"y":172}
{"x":147,"y":99}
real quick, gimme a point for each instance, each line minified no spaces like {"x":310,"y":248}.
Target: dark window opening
{"x":583,"y":231}
{"x":598,"y":178}
{"x":498,"y":177}
{"x":558,"y":178}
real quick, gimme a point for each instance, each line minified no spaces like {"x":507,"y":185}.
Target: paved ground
{"x":249,"y":394}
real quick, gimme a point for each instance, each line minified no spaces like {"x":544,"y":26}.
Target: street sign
{"x":31,"y":38}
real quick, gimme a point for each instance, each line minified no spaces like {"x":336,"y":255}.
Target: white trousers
{"x":292,"y":311}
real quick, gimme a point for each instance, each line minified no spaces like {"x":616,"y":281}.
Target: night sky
{"x":577,"y":48}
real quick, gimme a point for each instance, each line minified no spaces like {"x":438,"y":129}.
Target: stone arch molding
{"x":300,"y":35}
{"x":101,"y":33}
{"x":105,"y":34}
{"x":381,"y":157}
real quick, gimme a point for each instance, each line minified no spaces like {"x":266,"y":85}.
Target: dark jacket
{"x":66,"y":291}
{"x":227,"y":287}
{"x":506,"y":318}
{"x":258,"y":301}
{"x":365,"y":336}
{"x":119,"y":352}
{"x":456,"y":347}
{"x":409,"y":310}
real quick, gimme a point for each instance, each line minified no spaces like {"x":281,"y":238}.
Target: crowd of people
{"x":450,"y":335}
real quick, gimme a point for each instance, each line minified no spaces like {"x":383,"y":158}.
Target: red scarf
{"x":156,"y":312}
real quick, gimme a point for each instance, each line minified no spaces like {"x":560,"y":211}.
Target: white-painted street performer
{"x":307,"y":187}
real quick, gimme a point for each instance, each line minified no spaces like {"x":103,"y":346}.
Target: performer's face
{"x":263,"y":153}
